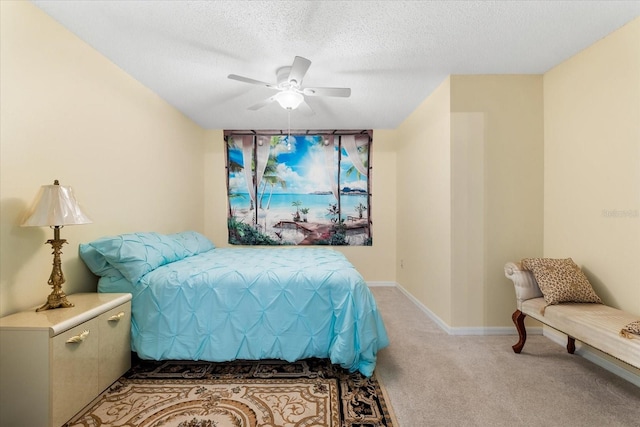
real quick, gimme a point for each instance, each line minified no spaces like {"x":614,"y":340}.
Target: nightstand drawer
{"x":115,"y":345}
{"x":75,"y":366}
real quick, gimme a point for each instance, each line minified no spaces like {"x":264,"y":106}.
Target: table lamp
{"x":55,"y":206}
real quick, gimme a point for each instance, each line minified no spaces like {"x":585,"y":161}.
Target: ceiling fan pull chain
{"x":289,"y":130}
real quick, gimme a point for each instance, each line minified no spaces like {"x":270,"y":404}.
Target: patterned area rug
{"x":272,"y":393}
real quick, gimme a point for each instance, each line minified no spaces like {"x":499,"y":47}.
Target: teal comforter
{"x":220,"y":304}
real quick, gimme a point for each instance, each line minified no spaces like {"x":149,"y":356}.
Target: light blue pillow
{"x":97,"y":263}
{"x":136,"y":254}
{"x":194,"y":243}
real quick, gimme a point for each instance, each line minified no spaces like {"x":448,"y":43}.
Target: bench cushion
{"x":594,"y":324}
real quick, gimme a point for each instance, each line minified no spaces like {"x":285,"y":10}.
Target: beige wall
{"x":474,"y":150}
{"x":67,"y":113}
{"x":377,"y":262}
{"x":424,"y":203}
{"x":215,"y":189}
{"x":498,"y":190}
{"x":468,"y":241}
{"x":592,"y":164}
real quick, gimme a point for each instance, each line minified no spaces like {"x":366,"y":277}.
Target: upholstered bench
{"x":595,"y":324}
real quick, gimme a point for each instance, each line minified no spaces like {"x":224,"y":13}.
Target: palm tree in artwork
{"x":362,"y":151}
{"x":273,"y":180}
{"x":296,"y":204}
{"x":269,"y":177}
{"x":352,"y":170}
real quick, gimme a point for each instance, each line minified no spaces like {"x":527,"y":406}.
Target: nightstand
{"x":55,"y":362}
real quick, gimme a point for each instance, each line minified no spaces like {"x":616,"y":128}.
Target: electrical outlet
{"x":401,"y":263}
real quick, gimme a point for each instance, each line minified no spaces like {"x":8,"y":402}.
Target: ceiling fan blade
{"x":299,"y":69}
{"x":251,"y":81}
{"x":342,"y":92}
{"x":262,"y":103}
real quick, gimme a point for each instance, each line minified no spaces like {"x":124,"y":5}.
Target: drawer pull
{"x":116,"y":317}
{"x":78,"y":338}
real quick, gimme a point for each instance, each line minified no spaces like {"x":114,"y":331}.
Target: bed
{"x":193,"y":301}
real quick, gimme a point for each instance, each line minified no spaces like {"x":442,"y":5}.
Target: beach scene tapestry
{"x":301,"y":188}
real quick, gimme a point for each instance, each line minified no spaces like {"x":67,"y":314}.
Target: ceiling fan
{"x":289,"y":86}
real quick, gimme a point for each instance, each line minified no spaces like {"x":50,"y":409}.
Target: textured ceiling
{"x":392,"y":54}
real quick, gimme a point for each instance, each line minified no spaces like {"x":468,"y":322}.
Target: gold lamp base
{"x":56,"y":301}
{"x":57,"y":298}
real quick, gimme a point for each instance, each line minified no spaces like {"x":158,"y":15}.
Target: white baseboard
{"x":583,"y":350}
{"x":493,"y":330}
{"x":471,"y":330}
{"x":426,"y":311}
{"x":381,"y":283}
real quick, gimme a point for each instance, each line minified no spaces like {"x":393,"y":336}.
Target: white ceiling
{"x":392,"y":54}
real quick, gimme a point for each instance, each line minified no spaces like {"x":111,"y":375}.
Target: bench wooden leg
{"x":571,"y":344}
{"x":518,"y":320}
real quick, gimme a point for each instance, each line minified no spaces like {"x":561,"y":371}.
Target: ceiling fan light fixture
{"x":289,"y":99}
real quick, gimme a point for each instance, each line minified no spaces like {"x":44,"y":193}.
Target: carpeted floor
{"x":309,"y":393}
{"x":435,"y":379}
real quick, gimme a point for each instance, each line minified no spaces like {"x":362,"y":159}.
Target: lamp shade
{"x":55,"y":205}
{"x":289,"y":99}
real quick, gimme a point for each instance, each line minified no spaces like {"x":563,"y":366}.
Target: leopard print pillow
{"x":561,"y":280}
{"x":631,"y":329}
